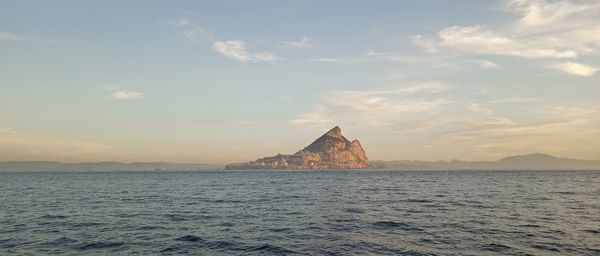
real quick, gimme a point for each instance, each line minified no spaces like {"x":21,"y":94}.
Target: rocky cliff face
{"x":330,"y":151}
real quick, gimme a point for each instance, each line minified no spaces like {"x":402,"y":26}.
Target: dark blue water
{"x":304,"y":213}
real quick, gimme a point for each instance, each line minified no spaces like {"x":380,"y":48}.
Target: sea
{"x":300,"y":213}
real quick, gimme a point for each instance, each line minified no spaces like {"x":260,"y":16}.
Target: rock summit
{"x":330,"y":151}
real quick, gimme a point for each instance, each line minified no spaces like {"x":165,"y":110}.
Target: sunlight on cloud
{"x":577,"y":69}
{"x":236,"y":49}
{"x":542,"y":30}
{"x":497,"y":136}
{"x":475,"y":39}
{"x":127,"y":95}
{"x":541,"y":12}
{"x":391,"y":106}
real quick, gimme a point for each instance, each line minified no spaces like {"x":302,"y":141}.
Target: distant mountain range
{"x":15,"y":166}
{"x":535,"y":161}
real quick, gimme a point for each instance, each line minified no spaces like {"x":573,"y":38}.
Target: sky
{"x":231,"y":81}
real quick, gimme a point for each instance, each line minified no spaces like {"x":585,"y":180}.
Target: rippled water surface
{"x":304,"y":213}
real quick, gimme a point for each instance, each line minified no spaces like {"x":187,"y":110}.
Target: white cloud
{"x":540,"y":12}
{"x":4,"y":130}
{"x":476,"y":39}
{"x":577,"y":69}
{"x":127,"y":95}
{"x":304,"y":43}
{"x":236,"y":49}
{"x":542,"y":30}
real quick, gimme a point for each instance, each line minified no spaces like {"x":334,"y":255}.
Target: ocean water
{"x":301,"y":213}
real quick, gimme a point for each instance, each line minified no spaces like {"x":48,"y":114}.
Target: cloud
{"x":325,"y":60}
{"x":516,"y":100}
{"x":549,"y":130}
{"x":476,"y":39}
{"x":236,"y":49}
{"x":13,"y":37}
{"x":372,"y":52}
{"x":535,"y":13}
{"x":304,"y":43}
{"x":427,"y":44}
{"x":542,"y":30}
{"x":405,"y":107}
{"x":486,"y":64}
{"x":188,"y":31}
{"x":127,"y":95}
{"x":577,"y":69}
{"x":5,"y":36}
{"x":4,"y":130}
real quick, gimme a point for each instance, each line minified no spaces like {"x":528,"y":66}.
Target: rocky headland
{"x":330,"y":151}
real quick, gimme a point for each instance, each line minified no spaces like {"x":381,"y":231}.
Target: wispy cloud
{"x":188,"y":30}
{"x":395,"y":106}
{"x":304,"y":43}
{"x":325,"y":60}
{"x":536,"y":13}
{"x":427,"y":44}
{"x":497,"y":136}
{"x":20,"y":38}
{"x":6,"y":36}
{"x":4,"y":130}
{"x":577,"y":69}
{"x":236,"y":49}
{"x":542,"y":30}
{"x":127,"y":95}
{"x":486,"y":64}
{"x":516,"y":100}
{"x":478,"y":40}
{"x":372,"y":52}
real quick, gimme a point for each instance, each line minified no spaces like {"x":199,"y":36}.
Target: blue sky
{"x":227,"y":81}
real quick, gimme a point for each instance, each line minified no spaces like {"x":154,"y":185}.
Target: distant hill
{"x":535,"y":161}
{"x":16,"y":166}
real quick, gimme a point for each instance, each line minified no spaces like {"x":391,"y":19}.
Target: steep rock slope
{"x":330,"y":151}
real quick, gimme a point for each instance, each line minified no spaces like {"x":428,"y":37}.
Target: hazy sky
{"x":227,"y":81}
